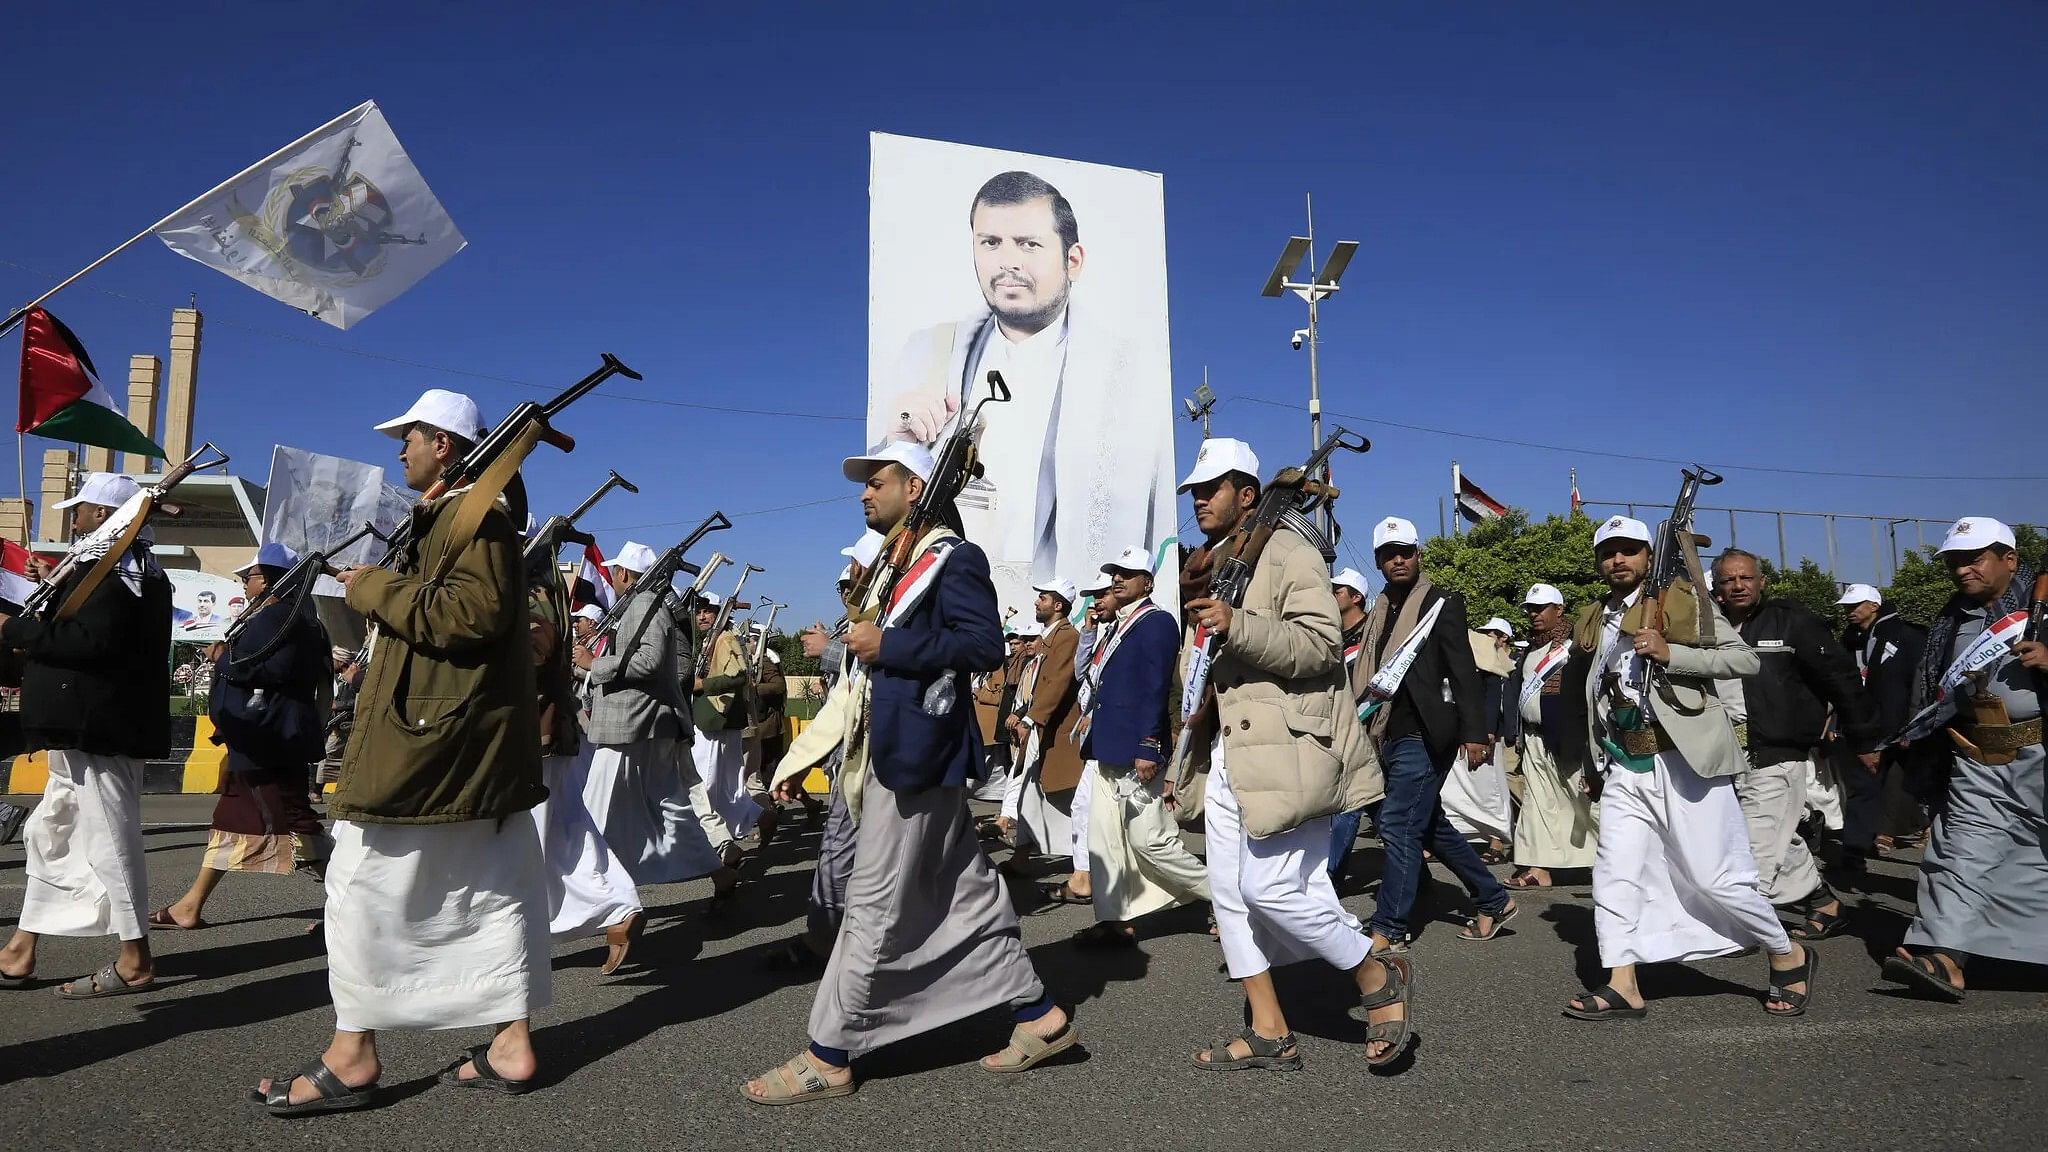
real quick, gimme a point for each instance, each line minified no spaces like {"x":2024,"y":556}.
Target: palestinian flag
{"x":15,"y":580}
{"x":593,"y":584}
{"x":61,"y":396}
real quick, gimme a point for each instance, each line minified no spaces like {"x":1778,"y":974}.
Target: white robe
{"x":86,"y":872}
{"x":719,"y":766}
{"x":1476,"y":800}
{"x":637,"y":797}
{"x":1138,"y":862}
{"x":437,"y":925}
{"x":589,"y":889}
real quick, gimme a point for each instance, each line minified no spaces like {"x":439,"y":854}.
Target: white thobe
{"x":718,"y":765}
{"x":1019,"y":526}
{"x":85,"y":870}
{"x":1139,"y":863}
{"x":589,"y":889}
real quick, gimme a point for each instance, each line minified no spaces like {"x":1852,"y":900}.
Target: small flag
{"x":16,"y":579}
{"x":337,"y":224}
{"x":1475,"y":505}
{"x":593,"y":582}
{"x":61,"y":395}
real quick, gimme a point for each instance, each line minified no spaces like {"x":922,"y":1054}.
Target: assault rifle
{"x":1675,"y":556}
{"x":658,"y":578}
{"x":100,"y":550}
{"x":959,"y":460}
{"x":526,"y":424}
{"x":719,"y":622}
{"x":548,"y":539}
{"x":298,"y":581}
{"x":1287,"y":502}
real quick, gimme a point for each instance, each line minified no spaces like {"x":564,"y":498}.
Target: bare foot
{"x":16,"y":962}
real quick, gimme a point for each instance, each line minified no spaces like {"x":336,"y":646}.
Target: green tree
{"x":791,"y":649}
{"x":1809,"y":586}
{"x":1494,"y":564}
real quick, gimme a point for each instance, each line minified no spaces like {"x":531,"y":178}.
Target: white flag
{"x":313,"y":501}
{"x":337,"y":224}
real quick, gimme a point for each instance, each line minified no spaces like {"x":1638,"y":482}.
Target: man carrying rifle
{"x":636,"y":723}
{"x":1285,"y":754}
{"x":92,"y":694}
{"x":929,"y":935}
{"x":1984,"y":878}
{"x":720,"y":691}
{"x":437,"y":907}
{"x":1673,"y":878}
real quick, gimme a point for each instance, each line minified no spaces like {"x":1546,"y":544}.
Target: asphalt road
{"x":653,"y":1057}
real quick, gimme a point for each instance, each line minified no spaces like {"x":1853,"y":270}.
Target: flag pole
{"x":16,"y":317}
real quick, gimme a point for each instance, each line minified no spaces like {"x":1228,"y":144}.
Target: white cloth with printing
{"x":1476,"y":799}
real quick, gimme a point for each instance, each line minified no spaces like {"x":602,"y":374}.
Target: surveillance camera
{"x":1300,"y":334}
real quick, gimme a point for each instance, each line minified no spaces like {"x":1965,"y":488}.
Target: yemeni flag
{"x":15,"y":581}
{"x":61,"y":395}
{"x":593,"y":585}
{"x":1473,"y":502}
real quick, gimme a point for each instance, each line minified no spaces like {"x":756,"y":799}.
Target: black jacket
{"x":1805,"y":670}
{"x":1890,"y":659}
{"x":263,"y":704}
{"x":1441,"y":698}
{"x":99,"y":682}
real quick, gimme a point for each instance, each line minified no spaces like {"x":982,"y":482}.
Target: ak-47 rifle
{"x":656,"y":580}
{"x":958,"y":461}
{"x":761,"y":645}
{"x":100,"y":550}
{"x":521,"y":428}
{"x":295,"y":585}
{"x":1289,"y":501}
{"x":1675,"y":556}
{"x":719,"y":622}
{"x":548,"y":539}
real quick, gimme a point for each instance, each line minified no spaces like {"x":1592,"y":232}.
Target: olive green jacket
{"x":447,"y":726}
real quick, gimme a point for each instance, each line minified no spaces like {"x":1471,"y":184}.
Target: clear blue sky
{"x":1793,"y":236}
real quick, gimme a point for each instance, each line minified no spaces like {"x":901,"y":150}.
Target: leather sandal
{"x":796,"y":1082}
{"x":1027,"y":1051}
{"x":1400,"y":984}
{"x":619,"y":939}
{"x":1797,"y":1001}
{"x":334,"y":1096}
{"x":486,"y":1076}
{"x":1281,"y":1055}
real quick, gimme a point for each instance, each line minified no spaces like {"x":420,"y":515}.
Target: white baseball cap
{"x":1218,"y":456}
{"x":1064,"y":589}
{"x":711,"y":599}
{"x":1621,"y":528}
{"x":864,"y":550}
{"x":1860,"y":594}
{"x":271,"y":555}
{"x":1029,"y":629}
{"x":1975,"y":534}
{"x":910,"y":454}
{"x":1132,"y":559}
{"x":1100,"y":586}
{"x":1394,"y":530}
{"x":1499,"y":625}
{"x":634,"y":558}
{"x":590,"y":612}
{"x":448,"y":411}
{"x":1544,"y":594}
{"x":846,"y":575}
{"x":106,"y":489}
{"x":1350,"y":578}
{"x":773,"y":655}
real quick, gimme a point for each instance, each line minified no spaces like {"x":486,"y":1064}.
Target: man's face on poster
{"x":1024,"y":271}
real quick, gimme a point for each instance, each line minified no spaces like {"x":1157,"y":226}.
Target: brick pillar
{"x":144,"y":371}
{"x":181,"y":390}
{"x":17,"y":517}
{"x":56,"y":524}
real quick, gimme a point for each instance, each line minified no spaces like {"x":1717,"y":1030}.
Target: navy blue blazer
{"x":922,"y":732}
{"x":1130,"y":701}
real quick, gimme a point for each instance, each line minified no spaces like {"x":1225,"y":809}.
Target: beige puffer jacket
{"x":1292,"y":740}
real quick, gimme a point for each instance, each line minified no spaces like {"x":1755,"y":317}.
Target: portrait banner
{"x":1053,"y":273}
{"x":314,"y":501}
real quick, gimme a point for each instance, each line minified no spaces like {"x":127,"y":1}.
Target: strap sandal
{"x":334,"y":1096}
{"x":1924,"y":973}
{"x":1525,"y":879}
{"x":1821,"y":925}
{"x":1282,"y":1055}
{"x":10,"y":983}
{"x":1796,"y":1001}
{"x":1400,"y":984}
{"x":1027,"y":1051}
{"x":796,"y":1082}
{"x":1061,"y":894}
{"x":1613,"y":1006}
{"x":1500,"y":921}
{"x":1105,"y":935}
{"x":103,"y":983}
{"x":486,"y":1077}
{"x":162,"y":919}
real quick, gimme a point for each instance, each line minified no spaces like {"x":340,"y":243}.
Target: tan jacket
{"x":1053,"y":711}
{"x":1291,"y":736}
{"x":1693,"y":715}
{"x":447,"y":723}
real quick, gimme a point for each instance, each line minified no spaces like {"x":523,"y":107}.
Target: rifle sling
{"x":482,"y":495}
{"x":105,"y":565}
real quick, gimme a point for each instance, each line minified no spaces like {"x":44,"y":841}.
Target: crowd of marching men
{"x":1683,"y":738}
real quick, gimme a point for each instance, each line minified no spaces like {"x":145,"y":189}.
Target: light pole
{"x":1321,"y":284}
{"x":1204,"y":401}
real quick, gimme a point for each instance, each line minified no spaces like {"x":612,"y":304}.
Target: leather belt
{"x":1647,"y":741}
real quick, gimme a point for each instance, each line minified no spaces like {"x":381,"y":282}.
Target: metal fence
{"x":1891,"y":537}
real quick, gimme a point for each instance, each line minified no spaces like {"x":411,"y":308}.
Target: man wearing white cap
{"x":1044,"y":727}
{"x":1673,"y":879}
{"x":1098,"y":623}
{"x":635,"y":725}
{"x":1354,"y":596}
{"x":92,"y":697}
{"x":929,"y":936}
{"x":436,"y":895}
{"x":1432,"y":723}
{"x":1805,"y":677}
{"x":1285,"y":754}
{"x":1888,"y":649}
{"x":1138,"y":864}
{"x":1559,"y":823}
{"x":720,"y":706}
{"x":1984,"y":877}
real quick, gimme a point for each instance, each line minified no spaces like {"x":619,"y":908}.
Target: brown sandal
{"x":796,"y":1082}
{"x":619,"y":939}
